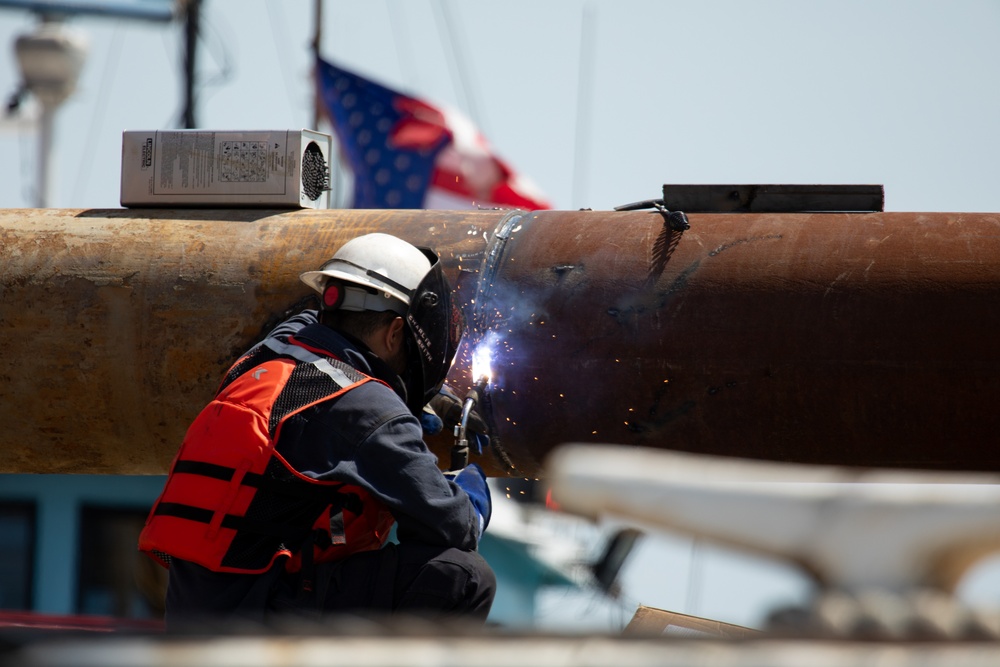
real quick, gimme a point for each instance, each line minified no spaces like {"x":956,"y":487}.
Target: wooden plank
{"x":651,"y":621}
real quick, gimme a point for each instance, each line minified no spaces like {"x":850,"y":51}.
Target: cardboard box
{"x":202,"y":168}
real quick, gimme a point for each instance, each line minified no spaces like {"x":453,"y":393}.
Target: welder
{"x":285,"y":488}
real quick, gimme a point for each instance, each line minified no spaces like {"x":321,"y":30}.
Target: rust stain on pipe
{"x":116,"y":325}
{"x":859,"y":339}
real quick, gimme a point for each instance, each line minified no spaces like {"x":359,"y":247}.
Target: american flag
{"x":406,"y":153}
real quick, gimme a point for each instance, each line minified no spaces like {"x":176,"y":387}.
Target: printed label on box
{"x":191,"y":161}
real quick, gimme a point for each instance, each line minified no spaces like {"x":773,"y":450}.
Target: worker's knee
{"x":450,"y":582}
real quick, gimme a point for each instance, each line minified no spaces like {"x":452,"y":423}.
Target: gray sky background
{"x":897,"y":92}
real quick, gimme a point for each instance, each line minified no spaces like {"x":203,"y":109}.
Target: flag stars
{"x":388,"y":140}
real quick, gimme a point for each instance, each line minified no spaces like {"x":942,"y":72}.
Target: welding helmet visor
{"x":435,"y":326}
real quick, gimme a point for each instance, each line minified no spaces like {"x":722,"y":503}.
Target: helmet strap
{"x":376,"y":275}
{"x":341,"y":295}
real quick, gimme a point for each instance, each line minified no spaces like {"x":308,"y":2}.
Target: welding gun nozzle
{"x":460,"y":452}
{"x":467,"y":405}
{"x":476,"y":392}
{"x":474,"y":396}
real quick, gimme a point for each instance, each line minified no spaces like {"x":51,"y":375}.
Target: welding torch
{"x":460,"y":451}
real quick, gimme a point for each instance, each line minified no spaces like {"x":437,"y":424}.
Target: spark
{"x":482,"y":358}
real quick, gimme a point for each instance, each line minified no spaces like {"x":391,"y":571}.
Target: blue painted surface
{"x":58,"y":499}
{"x":519,"y":578}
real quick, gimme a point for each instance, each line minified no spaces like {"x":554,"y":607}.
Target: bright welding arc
{"x":482,"y":359}
{"x":483,"y":372}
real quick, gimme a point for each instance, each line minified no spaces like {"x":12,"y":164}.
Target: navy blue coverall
{"x":369,"y":438}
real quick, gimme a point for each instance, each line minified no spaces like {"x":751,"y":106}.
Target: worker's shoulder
{"x":372,"y":400}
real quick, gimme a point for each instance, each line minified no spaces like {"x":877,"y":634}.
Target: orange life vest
{"x":232,"y":503}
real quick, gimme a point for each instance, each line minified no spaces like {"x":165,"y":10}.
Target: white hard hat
{"x":382,"y":263}
{"x":381,"y":272}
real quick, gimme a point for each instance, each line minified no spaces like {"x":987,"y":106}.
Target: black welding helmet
{"x":380,"y":272}
{"x":436,"y":326}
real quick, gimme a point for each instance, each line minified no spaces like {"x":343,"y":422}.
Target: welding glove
{"x":448,"y":407}
{"x":430,"y":421}
{"x":472,"y":480}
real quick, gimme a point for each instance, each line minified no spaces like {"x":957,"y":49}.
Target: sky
{"x":599,"y":102}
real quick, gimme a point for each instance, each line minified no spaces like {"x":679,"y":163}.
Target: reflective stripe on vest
{"x":304,"y":355}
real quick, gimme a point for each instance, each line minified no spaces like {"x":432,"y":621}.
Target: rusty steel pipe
{"x":857,"y":339}
{"x":116,"y":325}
